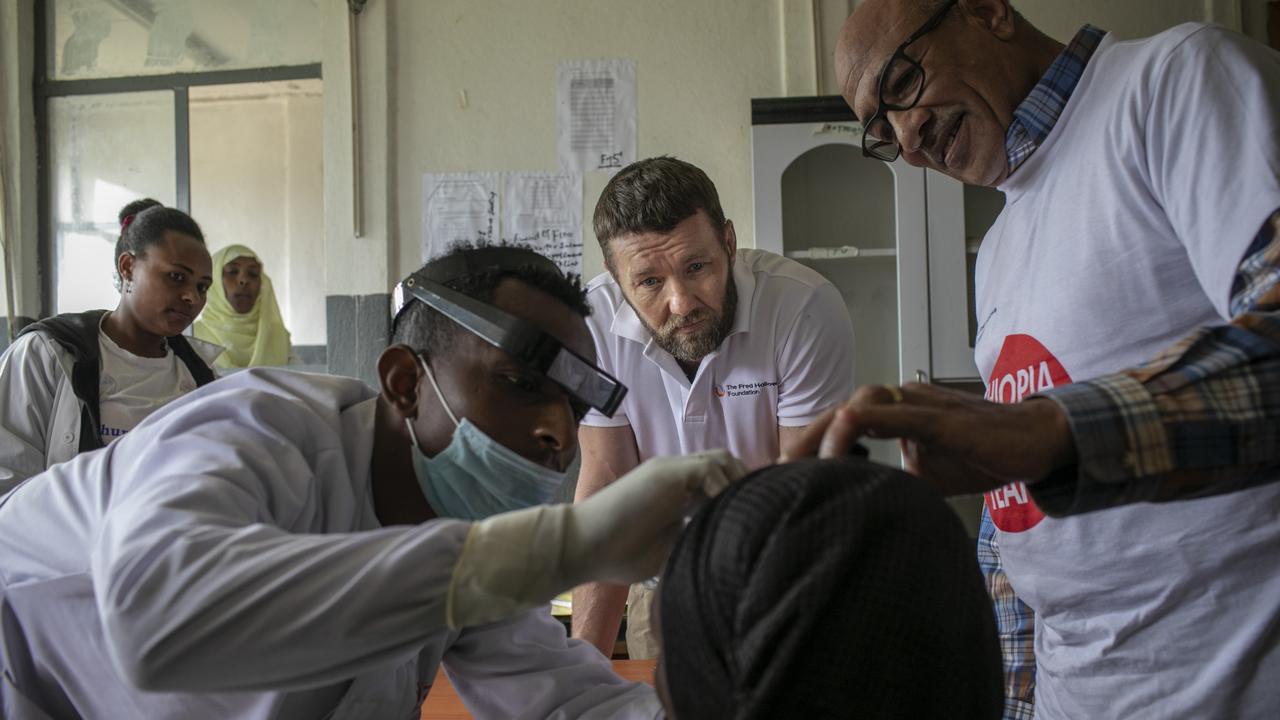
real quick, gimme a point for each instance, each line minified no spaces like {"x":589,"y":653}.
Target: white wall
{"x":357,"y":263}
{"x":698,"y":66}
{"x":303,"y":275}
{"x":1125,"y":18}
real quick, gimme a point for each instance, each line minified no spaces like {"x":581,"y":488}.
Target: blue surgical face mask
{"x":476,"y":476}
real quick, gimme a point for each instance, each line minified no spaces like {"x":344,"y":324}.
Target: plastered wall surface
{"x":698,"y":66}
{"x":473,"y":83}
{"x":1124,"y":18}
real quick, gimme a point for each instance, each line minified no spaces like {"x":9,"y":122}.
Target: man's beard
{"x":692,"y":348}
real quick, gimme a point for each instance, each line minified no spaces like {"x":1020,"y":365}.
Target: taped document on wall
{"x":543,"y":211}
{"x":596,"y":110}
{"x":458,"y":207}
{"x":538,"y":210}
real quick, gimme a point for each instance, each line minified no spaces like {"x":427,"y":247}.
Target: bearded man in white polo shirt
{"x":721,"y":348}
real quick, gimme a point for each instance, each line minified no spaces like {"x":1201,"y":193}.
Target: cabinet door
{"x":860,"y":223}
{"x":959,"y":217}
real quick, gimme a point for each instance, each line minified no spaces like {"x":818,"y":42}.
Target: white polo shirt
{"x":788,"y":358}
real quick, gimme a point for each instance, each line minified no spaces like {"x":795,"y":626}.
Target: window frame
{"x":45,"y":89}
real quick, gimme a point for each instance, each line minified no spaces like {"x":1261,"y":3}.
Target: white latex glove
{"x":622,"y":534}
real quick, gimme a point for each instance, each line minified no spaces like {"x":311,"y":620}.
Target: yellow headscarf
{"x":257,"y":337}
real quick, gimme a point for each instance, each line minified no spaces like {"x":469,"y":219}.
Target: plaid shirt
{"x":1038,"y":113}
{"x":1201,"y":418}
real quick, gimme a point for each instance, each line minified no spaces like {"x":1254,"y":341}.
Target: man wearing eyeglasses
{"x":1132,"y":329}
{"x":286,"y":545}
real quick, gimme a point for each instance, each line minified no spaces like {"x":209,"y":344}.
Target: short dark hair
{"x":424,"y":329}
{"x":654,"y":195}
{"x":144,"y":222}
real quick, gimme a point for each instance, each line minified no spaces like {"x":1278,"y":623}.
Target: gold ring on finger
{"x":895,"y":392}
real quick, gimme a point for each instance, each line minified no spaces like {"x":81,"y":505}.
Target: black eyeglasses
{"x":901,"y":84}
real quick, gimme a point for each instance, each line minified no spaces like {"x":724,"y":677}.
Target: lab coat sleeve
{"x":210,"y":571}
{"x":29,"y":377}
{"x":526,"y":667}
{"x":815,"y":362}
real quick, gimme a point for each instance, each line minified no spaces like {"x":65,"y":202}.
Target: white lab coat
{"x":225,"y":553}
{"x":39,"y":410}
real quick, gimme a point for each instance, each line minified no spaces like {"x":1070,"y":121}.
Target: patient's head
{"x":827,"y":589}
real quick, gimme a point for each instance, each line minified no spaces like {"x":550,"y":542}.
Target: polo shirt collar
{"x":745,"y":279}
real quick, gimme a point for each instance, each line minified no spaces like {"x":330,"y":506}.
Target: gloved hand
{"x":622,"y":534}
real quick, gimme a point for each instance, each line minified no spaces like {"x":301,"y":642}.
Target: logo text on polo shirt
{"x":1023,"y":368}
{"x":746,"y":389}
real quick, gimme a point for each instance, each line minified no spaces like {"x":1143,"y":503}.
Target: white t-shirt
{"x":788,"y":358}
{"x":131,"y":387}
{"x":1120,"y":235}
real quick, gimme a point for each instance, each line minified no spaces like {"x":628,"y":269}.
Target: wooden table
{"x":444,"y":704}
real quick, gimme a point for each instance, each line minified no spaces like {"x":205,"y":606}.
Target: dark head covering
{"x":828,"y":589}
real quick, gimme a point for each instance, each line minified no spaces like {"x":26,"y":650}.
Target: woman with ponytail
{"x":74,"y":382}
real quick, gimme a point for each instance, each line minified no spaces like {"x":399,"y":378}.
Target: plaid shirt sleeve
{"x":1015,"y":624}
{"x":1200,"y":419}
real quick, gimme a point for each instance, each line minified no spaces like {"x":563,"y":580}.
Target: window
{"x":107,"y":150}
{"x":213,"y":108}
{"x":128,"y":38}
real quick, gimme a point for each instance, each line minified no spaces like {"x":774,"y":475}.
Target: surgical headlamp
{"x":522,"y":340}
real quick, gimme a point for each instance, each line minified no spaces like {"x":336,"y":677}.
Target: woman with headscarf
{"x":242,"y":314}
{"x":827,"y":589}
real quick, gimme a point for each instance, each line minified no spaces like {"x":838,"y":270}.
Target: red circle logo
{"x":1023,"y":368}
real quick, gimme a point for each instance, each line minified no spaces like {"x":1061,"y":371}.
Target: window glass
{"x":106,"y":151}
{"x":115,"y":38}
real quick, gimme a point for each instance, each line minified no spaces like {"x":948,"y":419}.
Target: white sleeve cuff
{"x":595,"y":419}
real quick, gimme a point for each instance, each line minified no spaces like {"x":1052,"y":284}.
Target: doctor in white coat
{"x":281,"y":545}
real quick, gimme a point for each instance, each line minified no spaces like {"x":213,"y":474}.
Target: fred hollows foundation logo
{"x":1023,"y":368}
{"x":743,"y":389}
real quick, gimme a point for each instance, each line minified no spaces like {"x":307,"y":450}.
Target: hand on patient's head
{"x":640,"y":515}
{"x":828,"y":589}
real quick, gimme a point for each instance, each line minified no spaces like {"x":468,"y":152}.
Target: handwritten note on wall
{"x":543,"y":211}
{"x":596,"y":109}
{"x":538,"y":210}
{"x":458,"y":207}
